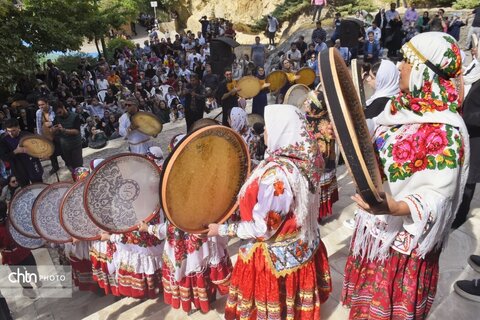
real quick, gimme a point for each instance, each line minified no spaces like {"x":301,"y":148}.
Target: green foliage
{"x":119,"y":43}
{"x":466,"y":4}
{"x":70,"y":62}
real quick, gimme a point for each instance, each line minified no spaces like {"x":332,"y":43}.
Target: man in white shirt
{"x":138,"y":142}
{"x":102,"y":83}
{"x":272,"y":27}
{"x":294,"y":55}
{"x":390,"y":14}
{"x":184,"y":72}
{"x":377,"y":33}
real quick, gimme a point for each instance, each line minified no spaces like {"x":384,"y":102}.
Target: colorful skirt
{"x":256,"y":293}
{"x":101,"y":272}
{"x":197,"y":289}
{"x":328,"y":193}
{"x":82,"y":274}
{"x":139,"y":273}
{"x":401,"y":287}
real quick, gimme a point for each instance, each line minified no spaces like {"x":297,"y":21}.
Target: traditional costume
{"x":318,"y":121}
{"x":138,"y":142}
{"x":101,"y":256}
{"x":238,"y":122}
{"x":194,"y":267}
{"x":422,"y":147}
{"x":282,"y":271}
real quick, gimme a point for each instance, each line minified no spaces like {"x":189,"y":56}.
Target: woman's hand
{"x":143,"y":226}
{"x":105,"y":236}
{"x":391,"y":207}
{"x":213,"y":229}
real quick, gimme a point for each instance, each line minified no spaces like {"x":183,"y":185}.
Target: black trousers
{"x":464,"y":208}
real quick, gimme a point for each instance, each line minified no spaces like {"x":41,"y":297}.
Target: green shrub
{"x":117,"y":43}
{"x":466,"y":4}
{"x":70,"y":62}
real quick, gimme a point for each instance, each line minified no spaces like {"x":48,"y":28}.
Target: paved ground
{"x":336,"y":236}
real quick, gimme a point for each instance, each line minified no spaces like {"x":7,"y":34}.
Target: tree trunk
{"x":98,"y":48}
{"x":104,"y":47}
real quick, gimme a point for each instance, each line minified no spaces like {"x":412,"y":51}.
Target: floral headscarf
{"x":436,"y":60}
{"x":239,"y":123}
{"x":292,"y":146}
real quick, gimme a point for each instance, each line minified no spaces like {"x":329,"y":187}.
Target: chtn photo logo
{"x":23,"y":276}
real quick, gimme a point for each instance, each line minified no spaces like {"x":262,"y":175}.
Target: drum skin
{"x":202,"y":177}
{"x":25,"y":242}
{"x":37,"y":146}
{"x":277,"y":80}
{"x":74,"y":217}
{"x":296,"y":95}
{"x":358,"y":82}
{"x":20,"y":211}
{"x":253,"y":118}
{"x":202,"y":123}
{"x":46,"y":213}
{"x":122,"y":191}
{"x":147,"y":123}
{"x":250,"y":86}
{"x":307,"y":76}
{"x":350,"y":127}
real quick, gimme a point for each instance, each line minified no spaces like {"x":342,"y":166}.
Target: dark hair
{"x":44,"y":99}
{"x":11,"y":123}
{"x":58,"y":104}
{"x":3,"y":210}
{"x":227,"y":69}
{"x":375,"y":68}
{"x":370,"y":32}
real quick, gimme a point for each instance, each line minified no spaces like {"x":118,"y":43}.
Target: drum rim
{"x":34,"y":212}
{"x":290,"y":90}
{"x":149,"y":114}
{"x":356,"y":77}
{"x":39,"y":137}
{"x":193,"y":129}
{"x":251,"y":78}
{"x":374,"y":193}
{"x":89,"y":180}
{"x":19,"y":192}
{"x":9,"y":225}
{"x":62,"y":204}
{"x":311,"y":71}
{"x":174,"y":155}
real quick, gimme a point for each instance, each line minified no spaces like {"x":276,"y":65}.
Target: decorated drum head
{"x":350,"y":126}
{"x":147,"y":123}
{"x":202,"y":123}
{"x":358,"y":82}
{"x":202,"y":177}
{"x":21,"y":209}
{"x":296,"y":95}
{"x":46,"y":213}
{"x":277,"y":80}
{"x":250,"y":86}
{"x":307,"y":76}
{"x":37,"y":146}
{"x":74,"y":217}
{"x":26,"y":242}
{"x":122,"y":192}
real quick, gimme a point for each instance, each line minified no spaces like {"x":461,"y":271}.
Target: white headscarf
{"x":238,"y":119}
{"x":471,"y":75}
{"x":292,"y":145}
{"x":156,"y":154}
{"x":386,"y":81}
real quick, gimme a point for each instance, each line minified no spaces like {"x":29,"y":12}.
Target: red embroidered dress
{"x":282,"y":271}
{"x":392,"y":271}
{"x":82,"y":274}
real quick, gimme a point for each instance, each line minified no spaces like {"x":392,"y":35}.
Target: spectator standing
{"x":454,"y":26}
{"x":336,"y":25}
{"x":319,"y":34}
{"x":475,"y":27}
{"x":272,"y":28}
{"x":381,"y":21}
{"x":66,"y":128}
{"x":27,"y":169}
{"x":438,"y":22}
{"x":411,"y":16}
{"x":194,"y":101}
{"x":317,"y":8}
{"x":258,"y":53}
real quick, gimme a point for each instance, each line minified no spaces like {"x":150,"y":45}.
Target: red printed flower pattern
{"x":432,"y":146}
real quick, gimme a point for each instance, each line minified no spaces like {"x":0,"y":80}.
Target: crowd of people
{"x":282,"y":270}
